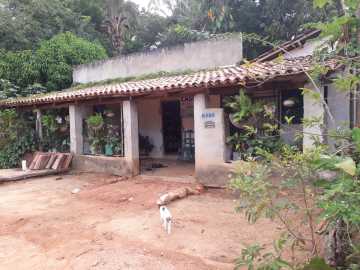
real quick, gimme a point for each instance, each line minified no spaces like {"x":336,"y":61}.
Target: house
{"x":183,"y":115}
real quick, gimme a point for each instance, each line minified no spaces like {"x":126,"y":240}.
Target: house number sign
{"x":209,"y":119}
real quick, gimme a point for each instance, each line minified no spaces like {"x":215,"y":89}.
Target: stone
{"x":75,"y":190}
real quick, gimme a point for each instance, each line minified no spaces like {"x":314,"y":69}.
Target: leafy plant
{"x":243,"y":107}
{"x":95,"y":121}
{"x":113,"y":140}
{"x":254,"y":257}
{"x":56,"y":135}
{"x":96,"y":128}
{"x":17,"y":137}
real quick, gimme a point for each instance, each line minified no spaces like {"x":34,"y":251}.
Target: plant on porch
{"x":113,"y":141}
{"x":95,"y":125}
{"x":56,"y":136}
{"x":256,"y":126}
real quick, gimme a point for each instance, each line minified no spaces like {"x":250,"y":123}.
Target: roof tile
{"x":224,"y":76}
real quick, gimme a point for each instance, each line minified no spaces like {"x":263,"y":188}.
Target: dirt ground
{"x":116,"y":225}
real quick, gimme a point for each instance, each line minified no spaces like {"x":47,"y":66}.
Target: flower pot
{"x":109,"y":150}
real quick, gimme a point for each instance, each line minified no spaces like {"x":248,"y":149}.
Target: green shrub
{"x":17,"y":137}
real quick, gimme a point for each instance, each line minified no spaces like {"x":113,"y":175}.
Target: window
{"x":292,"y":105}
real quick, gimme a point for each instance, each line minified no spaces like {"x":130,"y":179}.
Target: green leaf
{"x":321,"y":3}
{"x":352,"y":3}
{"x":348,"y":166}
{"x":355,"y":135}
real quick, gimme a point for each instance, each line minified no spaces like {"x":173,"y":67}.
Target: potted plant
{"x":243,"y":110}
{"x":95,"y":125}
{"x":113,"y":141}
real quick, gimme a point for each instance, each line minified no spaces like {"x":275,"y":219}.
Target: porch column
{"x":313,"y":109}
{"x":131,"y":135}
{"x":38,"y":124}
{"x":76,"y":114}
{"x":210,"y":143}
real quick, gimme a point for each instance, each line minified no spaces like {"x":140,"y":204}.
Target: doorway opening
{"x":171,"y":119}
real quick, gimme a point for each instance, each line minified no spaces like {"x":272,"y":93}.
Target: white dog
{"x":166,"y":218}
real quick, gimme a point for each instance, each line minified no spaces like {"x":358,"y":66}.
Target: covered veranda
{"x":194,"y":103}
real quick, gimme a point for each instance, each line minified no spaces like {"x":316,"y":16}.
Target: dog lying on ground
{"x":166,"y":218}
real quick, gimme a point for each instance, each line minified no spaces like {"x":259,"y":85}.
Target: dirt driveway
{"x":116,"y":226}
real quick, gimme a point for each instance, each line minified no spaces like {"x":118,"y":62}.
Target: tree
{"x":49,"y":67}
{"x":57,"y":56}
{"x":120,"y":16}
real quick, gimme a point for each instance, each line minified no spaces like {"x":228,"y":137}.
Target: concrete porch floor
{"x":168,"y":169}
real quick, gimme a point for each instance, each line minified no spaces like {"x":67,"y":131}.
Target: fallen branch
{"x":177,"y":194}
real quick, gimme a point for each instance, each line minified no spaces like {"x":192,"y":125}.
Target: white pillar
{"x":76,"y":114}
{"x":313,"y":109}
{"x":209,"y":128}
{"x":39,"y":130}
{"x":131,"y":135}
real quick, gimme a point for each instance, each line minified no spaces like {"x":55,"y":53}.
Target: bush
{"x":17,"y":137}
{"x":57,"y":56}
{"x":48,"y":68}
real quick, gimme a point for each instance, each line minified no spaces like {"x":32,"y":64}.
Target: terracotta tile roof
{"x":221,"y":77}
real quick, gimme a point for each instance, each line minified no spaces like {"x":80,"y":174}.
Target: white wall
{"x":195,"y":56}
{"x":150,"y":124}
{"x":312,"y":109}
{"x":210,"y":142}
{"x":339,"y":105}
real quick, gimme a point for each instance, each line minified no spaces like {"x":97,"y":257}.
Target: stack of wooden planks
{"x":51,"y":161}
{"x":42,"y":164}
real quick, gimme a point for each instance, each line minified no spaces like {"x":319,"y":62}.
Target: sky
{"x":142,"y":3}
{"x":145,"y":4}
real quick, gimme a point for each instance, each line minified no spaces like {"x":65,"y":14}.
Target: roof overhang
{"x":248,"y":76}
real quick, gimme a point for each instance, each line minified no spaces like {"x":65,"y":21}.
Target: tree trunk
{"x":336,"y":245}
{"x":357,"y":90}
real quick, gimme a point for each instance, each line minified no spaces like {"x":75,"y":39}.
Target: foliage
{"x":56,"y":131}
{"x":179,"y":34}
{"x":120,"y":16}
{"x":57,"y":56}
{"x":17,"y":137}
{"x":113,"y":141}
{"x":252,"y":117}
{"x":23,"y":24}
{"x":95,"y":121}
{"x":254,"y":257}
{"x":48,"y":68}
{"x":243,"y":107}
{"x":8,"y":89}
{"x":96,"y":129}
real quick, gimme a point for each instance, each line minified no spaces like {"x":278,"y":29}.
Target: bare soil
{"x":114,"y":225}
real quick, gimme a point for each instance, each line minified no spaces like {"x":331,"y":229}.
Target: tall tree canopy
{"x":47,"y":68}
{"x":41,"y":40}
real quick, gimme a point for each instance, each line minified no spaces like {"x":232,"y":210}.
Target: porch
{"x":164,"y":137}
{"x":178,"y":116}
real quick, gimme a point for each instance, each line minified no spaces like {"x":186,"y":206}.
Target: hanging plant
{"x":95,"y":122}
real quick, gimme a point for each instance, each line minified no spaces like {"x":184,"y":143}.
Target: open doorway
{"x":168,"y":127}
{"x":171,"y":119}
